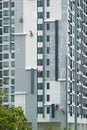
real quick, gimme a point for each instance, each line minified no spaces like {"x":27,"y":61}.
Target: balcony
{"x":85,"y":75}
{"x":85,"y":97}
{"x":84,"y":54}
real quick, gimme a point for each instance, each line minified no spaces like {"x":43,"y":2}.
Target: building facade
{"x":7,"y":50}
{"x":43,"y":61}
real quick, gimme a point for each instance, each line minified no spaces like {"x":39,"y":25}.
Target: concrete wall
{"x":23,"y":94}
{"x":26,"y":60}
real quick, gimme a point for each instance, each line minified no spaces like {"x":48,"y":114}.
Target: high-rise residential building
{"x":43,"y":59}
{"x":7,"y":50}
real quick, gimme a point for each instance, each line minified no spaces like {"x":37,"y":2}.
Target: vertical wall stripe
{"x":52,"y":110}
{"x":56,"y":50}
{"x":32,"y":81}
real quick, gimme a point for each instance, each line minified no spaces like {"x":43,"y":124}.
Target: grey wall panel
{"x":18,"y":14}
{"x":24,"y":80}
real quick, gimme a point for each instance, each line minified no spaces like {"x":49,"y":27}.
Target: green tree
{"x":12,"y":118}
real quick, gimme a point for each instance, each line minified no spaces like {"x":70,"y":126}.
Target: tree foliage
{"x":12,"y":118}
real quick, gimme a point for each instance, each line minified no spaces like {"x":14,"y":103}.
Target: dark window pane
{"x":40,"y":38}
{"x":47,"y":26}
{"x":48,"y":2}
{"x":0,"y":31}
{"x":48,"y":110}
{"x":40,"y":27}
{"x":48,"y":38}
{"x":48,"y":85}
{"x":0,"y":14}
{"x":48,"y":14}
{"x":40,"y":98}
{"x":40,"y":85}
{"x":12,"y":4}
{"x":48,"y":97}
{"x":5,"y":4}
{"x":0,"y":5}
{"x":39,"y":3}
{"x":0,"y":39}
{"x":40,"y":110}
{"x":0,"y":22}
{"x":40,"y":62}
{"x":40,"y":50}
{"x":40,"y":14}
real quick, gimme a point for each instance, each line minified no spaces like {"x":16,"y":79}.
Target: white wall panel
{"x":54,"y":9}
{"x":30,"y":23}
{"x":20,"y":100}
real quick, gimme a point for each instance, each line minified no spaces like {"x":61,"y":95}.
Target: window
{"x":39,"y":3}
{"x":0,"y":48}
{"x":6,"y":99}
{"x":5,"y":13}
{"x":48,"y":38}
{"x":12,"y":21}
{"x":48,"y":85}
{"x":40,"y":38}
{"x":40,"y":98}
{"x":40,"y":50}
{"x":0,"y":74}
{"x":40,"y":74}
{"x":0,"y":22}
{"x":5,"y":5}
{"x":12,"y":46}
{"x":12,"y":4}
{"x":0,"y":5}
{"x":12,"y":89}
{"x":12,"y":64}
{"x":6,"y":72}
{"x":6,"y":21}
{"x":40,"y":14}
{"x":40,"y":62}
{"x":0,"y":68}
{"x":12,"y":98}
{"x":5,"y":64}
{"x":48,"y":62}
{"x":0,"y":39}
{"x":40,"y":85}
{"x":1,"y":31}
{"x":5,"y":38}
{"x":12,"y":30}
{"x":48,"y":2}
{"x":6,"y":29}
{"x":0,"y":14}
{"x":6,"y":81}
{"x":48,"y":50}
{"x":6,"y":56}
{"x":0,"y":56}
{"x":6,"y":47}
{"x":6,"y":90}
{"x":48,"y":73}
{"x":12,"y":81}
{"x":48,"y":26}
{"x":12,"y":55}
{"x":12,"y":13}
{"x":48,"y":97}
{"x":40,"y":27}
{"x":48,"y":110}
{"x":12,"y":72}
{"x":12,"y":38}
{"x":40,"y":110}
{"x":48,"y":14}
